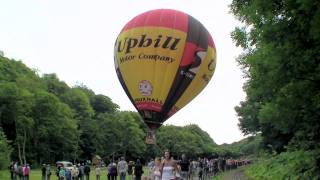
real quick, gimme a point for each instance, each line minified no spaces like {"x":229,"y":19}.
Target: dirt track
{"x":237,"y":174}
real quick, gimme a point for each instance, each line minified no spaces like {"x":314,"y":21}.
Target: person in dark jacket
{"x":138,"y":170}
{"x":130,"y":170}
{"x":81,"y":172}
{"x":43,"y":172}
{"x":113,"y":171}
{"x":48,"y":172}
{"x":11,"y":169}
{"x":87,"y":171}
{"x":185,"y":167}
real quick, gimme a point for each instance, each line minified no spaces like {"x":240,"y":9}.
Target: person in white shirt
{"x":74,"y":172}
{"x":122,"y":168}
{"x":169,"y":167}
{"x":156,"y":170}
{"x":98,"y":172}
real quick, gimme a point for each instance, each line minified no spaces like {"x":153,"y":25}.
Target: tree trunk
{"x":17,"y":140}
{"x":19,"y":152}
{"x":24,"y":146}
{"x":75,"y":156}
{"x":1,"y":109}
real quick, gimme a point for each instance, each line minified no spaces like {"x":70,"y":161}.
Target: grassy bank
{"x":287,"y":165}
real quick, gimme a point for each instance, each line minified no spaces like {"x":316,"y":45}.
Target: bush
{"x":287,"y":165}
{"x":5,"y":151}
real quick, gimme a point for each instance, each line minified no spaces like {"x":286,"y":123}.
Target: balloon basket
{"x":151,"y":137}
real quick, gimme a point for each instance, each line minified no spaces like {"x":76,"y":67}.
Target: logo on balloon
{"x":145,"y":88}
{"x":211,"y":65}
{"x":145,"y":41}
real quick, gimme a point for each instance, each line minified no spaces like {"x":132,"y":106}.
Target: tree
{"x":100,"y":103}
{"x":13,"y":71}
{"x":80,"y":103}
{"x":130,"y":135}
{"x":103,"y":104}
{"x":281,"y":42}
{"x":5,"y":151}
{"x":119,"y":135}
{"x":54,"y":85}
{"x":45,"y":121}
{"x":16,"y":104}
{"x":83,"y":113}
{"x":245,"y":147}
{"x":190,"y":140}
{"x":55,"y":134}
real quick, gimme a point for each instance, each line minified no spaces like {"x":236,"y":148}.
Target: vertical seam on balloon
{"x":194,"y":90}
{"x":130,"y":34}
{"x":163,"y":79}
{"x":161,"y":119}
{"x":142,"y":49}
{"x":153,"y":78}
{"x":187,"y":70}
{"x":173,"y":28}
{"x":200,"y":28}
{"x":184,"y":80}
{"x":170,"y":103}
{"x":142,"y":62}
{"x":155,"y":62}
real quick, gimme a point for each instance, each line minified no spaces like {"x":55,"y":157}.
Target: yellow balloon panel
{"x":200,"y":81}
{"x":163,"y":59}
{"x":148,"y":59}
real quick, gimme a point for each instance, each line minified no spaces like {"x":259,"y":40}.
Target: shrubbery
{"x":5,"y":151}
{"x":287,"y":165}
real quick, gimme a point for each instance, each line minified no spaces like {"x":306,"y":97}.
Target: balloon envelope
{"x":163,"y":59}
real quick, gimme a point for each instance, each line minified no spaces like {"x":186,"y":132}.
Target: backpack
{"x":113,"y":170}
{"x":26,"y":171}
{"x":86,"y":169}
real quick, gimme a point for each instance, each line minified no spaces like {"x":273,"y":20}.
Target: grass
{"x":35,"y":174}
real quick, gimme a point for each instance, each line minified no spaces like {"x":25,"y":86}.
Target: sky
{"x":75,"y":40}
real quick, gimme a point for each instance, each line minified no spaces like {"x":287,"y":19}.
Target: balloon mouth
{"x":151,"y":133}
{"x":151,"y":137}
{"x":153,"y":125}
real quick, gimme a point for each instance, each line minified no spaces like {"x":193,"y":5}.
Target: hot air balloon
{"x":163,"y":59}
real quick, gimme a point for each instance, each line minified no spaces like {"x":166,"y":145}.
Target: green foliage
{"x":281,"y":45}
{"x":118,"y":135}
{"x":103,"y":104}
{"x":5,"y":151}
{"x":54,"y":85}
{"x":250,"y":146}
{"x":281,"y":61}
{"x":287,"y":165}
{"x":79,"y":102}
{"x":54,"y":128}
{"x":190,"y":140}
{"x":100,"y":103}
{"x":46,"y":121}
{"x":13,"y":71}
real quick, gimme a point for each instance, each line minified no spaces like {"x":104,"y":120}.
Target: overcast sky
{"x":75,"y":39}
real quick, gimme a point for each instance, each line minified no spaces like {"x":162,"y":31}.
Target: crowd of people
{"x":185,"y":169}
{"x":18,"y":171}
{"x":160,"y":168}
{"x":80,"y":171}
